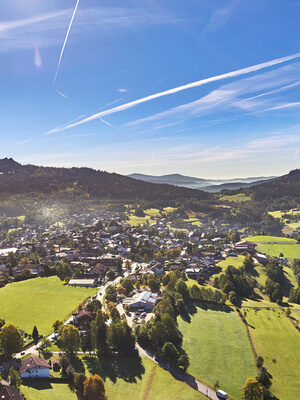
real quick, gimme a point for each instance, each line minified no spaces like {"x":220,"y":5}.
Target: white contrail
{"x":67,"y":123}
{"x":177,"y":89}
{"x":65,"y":41}
{"x":61,"y":94}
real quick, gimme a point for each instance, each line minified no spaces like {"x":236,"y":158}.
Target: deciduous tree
{"x":252,"y":390}
{"x":94,"y":388}
{"x":70,"y":339}
{"x":10,"y":339}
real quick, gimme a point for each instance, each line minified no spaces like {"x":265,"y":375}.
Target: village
{"x":124,"y":264}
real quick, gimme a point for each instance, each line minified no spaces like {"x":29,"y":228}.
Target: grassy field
{"x":39,"y":301}
{"x":193,"y":221}
{"x":155,"y":383}
{"x":169,"y":209}
{"x":124,"y":379}
{"x":279,"y":214}
{"x":235,"y":261}
{"x":278,"y":342}
{"x":289,"y":226}
{"x":270,"y":239}
{"x":135,"y":221}
{"x":219,"y":349}
{"x":237,"y":198}
{"x":274,"y":249}
{"x":152,"y":212}
{"x":48,"y":391}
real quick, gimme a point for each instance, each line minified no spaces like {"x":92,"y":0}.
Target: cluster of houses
{"x":105,"y":245}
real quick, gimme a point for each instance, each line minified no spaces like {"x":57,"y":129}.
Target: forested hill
{"x":16,"y":178}
{"x":283,"y":189}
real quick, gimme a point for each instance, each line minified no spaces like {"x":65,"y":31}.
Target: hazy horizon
{"x":207,"y":89}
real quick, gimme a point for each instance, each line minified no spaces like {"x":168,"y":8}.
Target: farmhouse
{"x":246,"y":246}
{"x":83,"y":282}
{"x":145,"y":300}
{"x":34,"y":367}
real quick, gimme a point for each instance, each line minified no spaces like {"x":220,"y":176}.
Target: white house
{"x":145,"y":300}
{"x":34,"y":367}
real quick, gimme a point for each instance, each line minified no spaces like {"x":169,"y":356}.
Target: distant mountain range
{"x":16,"y":178}
{"x":72,"y":183}
{"x":208,"y":185}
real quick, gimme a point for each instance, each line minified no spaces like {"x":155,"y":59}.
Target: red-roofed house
{"x":83,"y":318}
{"x":34,"y":367}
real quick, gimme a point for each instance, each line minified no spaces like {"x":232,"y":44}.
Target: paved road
{"x":33,"y":350}
{"x":180,"y":375}
{"x":176,"y":372}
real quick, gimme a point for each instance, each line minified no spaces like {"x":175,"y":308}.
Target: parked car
{"x":144,"y":314}
{"x":221,"y":394}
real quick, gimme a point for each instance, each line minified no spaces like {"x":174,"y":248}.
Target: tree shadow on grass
{"x":206,"y":305}
{"x":112,"y":366}
{"x":194,"y":305}
{"x":286,"y":285}
{"x":252,"y":271}
{"x":37,"y":384}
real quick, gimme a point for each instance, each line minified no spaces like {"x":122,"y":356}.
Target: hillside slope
{"x":286,"y":186}
{"x":16,"y":178}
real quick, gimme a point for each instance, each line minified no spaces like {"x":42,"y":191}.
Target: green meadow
{"x":135,"y":221}
{"x":270,"y":239}
{"x":218,"y":348}
{"x":275,"y":249}
{"x":236,"y":198}
{"x":40,"y":301}
{"x":47,"y":391}
{"x":124,"y":379}
{"x":193,"y":221}
{"x":278,"y":342}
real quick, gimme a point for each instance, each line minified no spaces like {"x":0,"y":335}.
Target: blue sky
{"x":207,"y":88}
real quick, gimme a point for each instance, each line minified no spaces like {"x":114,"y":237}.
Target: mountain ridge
{"x":209,"y":185}
{"x":16,"y":178}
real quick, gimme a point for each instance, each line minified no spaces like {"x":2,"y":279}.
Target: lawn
{"x":193,"y":221}
{"x":279,"y":214}
{"x":270,"y":239}
{"x":40,"y":301}
{"x":236,"y":198}
{"x":234,"y":261}
{"x":274,"y":249}
{"x":135,"y":221}
{"x":154,"y":383}
{"x":278,"y":342}
{"x":169,"y":209}
{"x":152,"y":212}
{"x":218,"y":347}
{"x":48,"y":391}
{"x":124,"y":379}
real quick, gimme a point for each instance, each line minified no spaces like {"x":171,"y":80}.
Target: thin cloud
{"x":122,"y":90}
{"x":286,"y":105}
{"x":177,"y":89}
{"x":46,"y":30}
{"x":220,"y":17}
{"x":229,"y":95}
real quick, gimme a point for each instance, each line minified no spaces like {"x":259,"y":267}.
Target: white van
{"x":221,"y":394}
